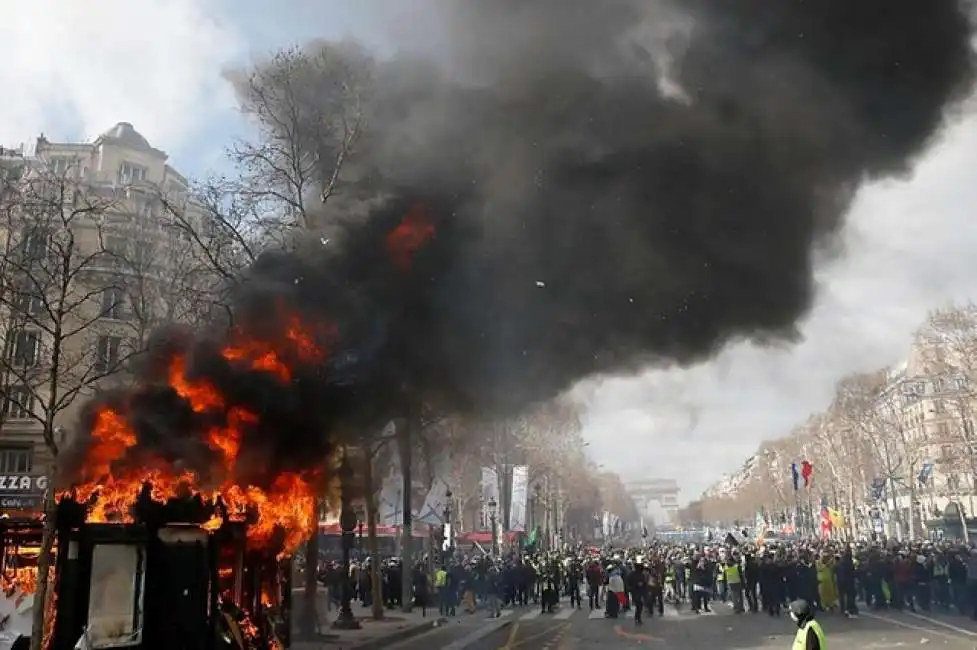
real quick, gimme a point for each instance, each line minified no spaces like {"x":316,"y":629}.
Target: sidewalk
{"x":396,"y":626}
{"x":459,"y":632}
{"x":398,"y":629}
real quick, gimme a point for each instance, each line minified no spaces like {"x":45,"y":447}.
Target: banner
{"x":432,"y":512}
{"x":490,"y":492}
{"x":390,"y":505}
{"x":837,"y":518}
{"x":520,"y":498}
{"x":807,"y":473}
{"x":390,"y":502}
{"x":760,"y":524}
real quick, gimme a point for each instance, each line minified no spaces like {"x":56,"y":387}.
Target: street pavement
{"x":571,"y":629}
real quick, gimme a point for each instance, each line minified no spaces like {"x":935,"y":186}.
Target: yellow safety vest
{"x":800,"y":640}
{"x":440,"y":578}
{"x":732,"y":574}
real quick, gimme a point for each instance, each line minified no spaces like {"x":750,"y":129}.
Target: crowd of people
{"x":831,"y":576}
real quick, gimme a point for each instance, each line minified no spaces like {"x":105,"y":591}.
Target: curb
{"x":479,"y":634}
{"x":395,"y":637}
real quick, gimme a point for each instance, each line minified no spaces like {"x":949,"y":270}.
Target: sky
{"x":72,"y":69}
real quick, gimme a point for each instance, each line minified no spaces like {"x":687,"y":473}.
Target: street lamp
{"x":361,"y":517}
{"x":347,"y":521}
{"x":447,"y":533}
{"x":535,"y":506}
{"x":493,"y":506}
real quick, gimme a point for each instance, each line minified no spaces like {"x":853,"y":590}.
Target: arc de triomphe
{"x":657,"y":500}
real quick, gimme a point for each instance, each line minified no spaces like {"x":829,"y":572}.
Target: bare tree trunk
{"x":38,"y":615}
{"x":369,"y":496}
{"x":405,"y":439}
{"x":429,"y":482}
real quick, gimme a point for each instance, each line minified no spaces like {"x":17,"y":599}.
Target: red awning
{"x":482,"y":536}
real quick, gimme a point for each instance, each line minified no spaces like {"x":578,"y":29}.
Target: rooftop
{"x":126,"y":135}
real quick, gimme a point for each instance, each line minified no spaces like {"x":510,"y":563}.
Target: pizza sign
{"x":22,"y":484}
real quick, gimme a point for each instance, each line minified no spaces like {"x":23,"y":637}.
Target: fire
{"x":24,"y":578}
{"x":283,"y":508}
{"x":414,"y":231}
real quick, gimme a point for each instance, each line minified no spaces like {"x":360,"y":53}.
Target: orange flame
{"x":410,"y":235}
{"x":24,"y":578}
{"x":282,"y":513}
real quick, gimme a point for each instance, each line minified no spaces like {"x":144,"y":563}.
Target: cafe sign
{"x":22,"y":491}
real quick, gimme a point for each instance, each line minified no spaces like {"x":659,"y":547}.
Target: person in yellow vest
{"x":733,"y":578}
{"x":827,"y":584}
{"x":445,"y":606}
{"x":810,"y":634}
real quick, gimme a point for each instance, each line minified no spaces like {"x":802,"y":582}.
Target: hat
{"x":800,"y":610}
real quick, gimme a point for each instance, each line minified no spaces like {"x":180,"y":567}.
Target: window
{"x":113,"y":303}
{"x":961,"y":383}
{"x":34,"y":243}
{"x":946,"y":452}
{"x":919,"y":388}
{"x":939,"y":406}
{"x":16,"y":460}
{"x":18,"y":403}
{"x":131,"y":173}
{"x":142,"y":253}
{"x":26,"y":300}
{"x":115,"y":601}
{"x":115,"y":250}
{"x":60,"y":165}
{"x":23,"y":348}
{"x":107,"y":353}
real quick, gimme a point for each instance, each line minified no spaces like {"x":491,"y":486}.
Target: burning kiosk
{"x":178,"y":575}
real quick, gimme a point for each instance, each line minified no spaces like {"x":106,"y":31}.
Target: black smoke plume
{"x":623,"y":183}
{"x":612,"y":185}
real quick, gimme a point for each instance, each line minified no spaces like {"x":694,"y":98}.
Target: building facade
{"x":928,"y":409}
{"x":93,"y":262}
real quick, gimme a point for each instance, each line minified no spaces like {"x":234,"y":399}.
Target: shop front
{"x":22,"y":495}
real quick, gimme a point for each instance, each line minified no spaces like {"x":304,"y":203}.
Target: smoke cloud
{"x":627,"y":183}
{"x":610,"y":185}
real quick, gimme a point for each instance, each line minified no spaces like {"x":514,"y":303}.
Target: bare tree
{"x":873,"y":406}
{"x":949,"y":343}
{"x":58,"y":346}
{"x":152,"y":275}
{"x":309,"y":105}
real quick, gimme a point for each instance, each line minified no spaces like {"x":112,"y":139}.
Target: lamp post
{"x":447,"y":533}
{"x":347,"y":521}
{"x":493,"y":507}
{"x":536,"y":502}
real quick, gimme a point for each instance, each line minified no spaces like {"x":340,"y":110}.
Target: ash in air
{"x":588,"y":188}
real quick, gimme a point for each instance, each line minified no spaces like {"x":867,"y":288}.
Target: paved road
{"x":581,"y":630}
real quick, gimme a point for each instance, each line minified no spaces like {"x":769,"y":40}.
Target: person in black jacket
{"x":703,"y":577}
{"x":845,"y":574}
{"x":637,"y":586}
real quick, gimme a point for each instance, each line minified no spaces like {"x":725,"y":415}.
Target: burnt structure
{"x":172,"y":578}
{"x":16,"y":535}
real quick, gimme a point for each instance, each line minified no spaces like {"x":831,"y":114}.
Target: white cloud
{"x":910,"y":248}
{"x":73,"y":69}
